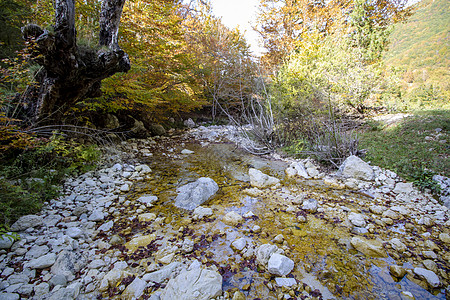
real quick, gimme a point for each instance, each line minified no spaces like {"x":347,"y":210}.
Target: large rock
{"x":157,"y":129}
{"x":355,"y":167}
{"x":111,"y":122}
{"x":26,"y":222}
{"x":403,"y":188}
{"x":138,"y":130}
{"x":195,"y":284}
{"x":280,"y":265}
{"x":195,"y":193}
{"x":69,"y":263}
{"x":260,"y":180}
{"x":429,"y":276}
{"x":369,"y":248}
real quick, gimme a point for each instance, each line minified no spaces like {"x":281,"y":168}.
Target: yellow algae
{"x":140,"y":241}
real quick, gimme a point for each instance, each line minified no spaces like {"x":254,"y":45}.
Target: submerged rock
{"x":429,"y":276}
{"x":260,"y":180}
{"x":195,"y":193}
{"x":194,"y":284}
{"x":369,"y":248}
{"x":232,"y":218}
{"x":280,"y":265}
{"x":355,"y":167}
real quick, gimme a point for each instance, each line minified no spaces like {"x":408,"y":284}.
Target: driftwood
{"x":69,"y":72}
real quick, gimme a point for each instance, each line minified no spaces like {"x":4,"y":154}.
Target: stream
{"x":324,"y":259}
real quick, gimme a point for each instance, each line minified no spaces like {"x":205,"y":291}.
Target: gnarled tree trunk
{"x":70,"y":73}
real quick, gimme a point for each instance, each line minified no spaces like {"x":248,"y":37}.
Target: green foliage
{"x":30,"y":176}
{"x":415,"y":149}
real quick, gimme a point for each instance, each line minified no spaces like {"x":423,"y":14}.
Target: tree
{"x":71,"y":72}
{"x":225,"y":66}
{"x":281,"y":24}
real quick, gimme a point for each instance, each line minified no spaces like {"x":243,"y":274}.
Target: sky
{"x":239,"y":13}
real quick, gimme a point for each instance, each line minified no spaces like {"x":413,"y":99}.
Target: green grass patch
{"x":417,"y":148}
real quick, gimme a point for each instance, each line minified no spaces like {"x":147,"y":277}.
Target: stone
{"x":260,"y":180}
{"x":147,"y":217}
{"x":186,"y":151}
{"x":397,"y":245}
{"x":96,"y":264}
{"x":369,"y":248}
{"x":239,"y":244}
{"x":157,"y":130}
{"x":25,"y":222}
{"x":18,"y":278}
{"x":390,"y":214}
{"x":256,"y":229}
{"x":377,"y":209}
{"x":288,"y":282}
{"x":42,"y":262}
{"x":9,"y":296}
{"x":430,"y":265}
{"x":232,"y":218}
{"x":189,"y":123}
{"x":238,"y":295}
{"x":79,"y":210}
{"x":143,"y":169}
{"x":397,"y":271}
{"x":125,"y":188}
{"x":403,"y":188}
{"x":405,"y":295}
{"x":69,"y":263}
{"x":140,"y":241}
{"x":162,"y":274}
{"x":187,"y":246}
{"x":147,"y":199}
{"x":195,"y":193}
{"x":280,"y":265}
{"x":355,"y":167}
{"x":111,"y":121}
{"x":429,"y":276}
{"x":194,"y":284}
{"x":357,"y":219}
{"x":111,"y":279}
{"x":201,"y":212}
{"x":36,"y":251}
{"x":297,"y":169}
{"x":105,"y":227}
{"x":134,"y":290}
{"x":6,"y":241}
{"x":74,"y":232}
{"x":58,"y":279}
{"x":310,"y":205}
{"x":264,"y":252}
{"x":279,"y":239}
{"x":445,"y":238}
{"x":41,"y":289}
{"x":96,"y":216}
{"x":429,"y":254}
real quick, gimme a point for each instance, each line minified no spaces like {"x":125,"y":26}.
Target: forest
{"x":79,"y":74}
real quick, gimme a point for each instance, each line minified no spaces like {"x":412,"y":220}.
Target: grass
{"x":416,"y":149}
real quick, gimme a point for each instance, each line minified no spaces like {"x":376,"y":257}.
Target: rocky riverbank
{"x":184,"y":219}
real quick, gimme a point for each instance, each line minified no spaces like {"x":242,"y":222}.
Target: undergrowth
{"x":31,"y":175}
{"x":416,"y":149}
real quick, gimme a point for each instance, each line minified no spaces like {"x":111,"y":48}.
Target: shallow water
{"x":320,"y":248}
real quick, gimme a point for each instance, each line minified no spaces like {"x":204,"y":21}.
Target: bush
{"x":30,"y":175}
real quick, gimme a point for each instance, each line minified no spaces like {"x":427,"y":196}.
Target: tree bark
{"x":70,"y":73}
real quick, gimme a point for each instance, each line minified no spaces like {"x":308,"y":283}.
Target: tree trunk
{"x":70,"y":73}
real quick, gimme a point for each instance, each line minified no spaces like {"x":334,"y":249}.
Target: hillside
{"x":420,"y":47}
